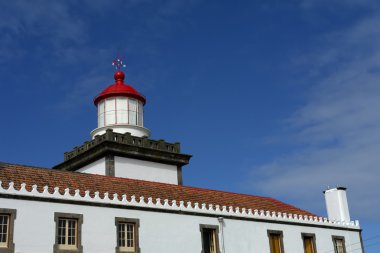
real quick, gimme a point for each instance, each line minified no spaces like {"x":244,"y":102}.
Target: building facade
{"x":123,"y":192}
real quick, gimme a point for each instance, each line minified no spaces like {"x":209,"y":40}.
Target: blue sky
{"x":273,"y":98}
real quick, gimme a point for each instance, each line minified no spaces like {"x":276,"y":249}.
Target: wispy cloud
{"x":337,"y":131}
{"x":64,"y":33}
{"x":49,"y":22}
{"x":142,"y":37}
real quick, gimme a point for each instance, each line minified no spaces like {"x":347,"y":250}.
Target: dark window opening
{"x":209,"y":244}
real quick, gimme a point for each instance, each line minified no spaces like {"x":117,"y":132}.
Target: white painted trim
{"x":122,"y":129}
{"x":176,"y":206}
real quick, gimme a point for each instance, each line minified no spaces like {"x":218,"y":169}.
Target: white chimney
{"x":337,"y":205}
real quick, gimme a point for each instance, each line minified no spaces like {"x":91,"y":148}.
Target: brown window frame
{"x":202,"y":227}
{"x":279,"y":233}
{"x":334,"y":238}
{"x":309,"y":235}
{"x":136,"y":223}
{"x":57,"y":248}
{"x":11,"y":213}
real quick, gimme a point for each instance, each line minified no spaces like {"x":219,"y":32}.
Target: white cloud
{"x":49,"y":19}
{"x":337,"y":130}
{"x":56,"y":34}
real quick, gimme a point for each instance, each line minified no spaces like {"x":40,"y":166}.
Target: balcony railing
{"x":127,"y":139}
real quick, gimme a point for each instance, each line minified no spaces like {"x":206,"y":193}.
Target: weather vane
{"x":118,"y":63}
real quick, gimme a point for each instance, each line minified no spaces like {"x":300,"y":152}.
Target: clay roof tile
{"x":74,"y":180}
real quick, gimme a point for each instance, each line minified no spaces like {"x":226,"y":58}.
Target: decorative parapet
{"x":126,"y":138}
{"x":174,"y":205}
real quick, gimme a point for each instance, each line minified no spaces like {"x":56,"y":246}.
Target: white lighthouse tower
{"x":120,"y":145}
{"x":120,"y":108}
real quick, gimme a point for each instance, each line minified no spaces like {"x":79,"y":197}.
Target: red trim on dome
{"x":119,"y":89}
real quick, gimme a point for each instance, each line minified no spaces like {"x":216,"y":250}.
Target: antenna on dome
{"x":118,"y":63}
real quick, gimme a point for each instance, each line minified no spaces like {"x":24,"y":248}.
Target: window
{"x":122,"y":110}
{"x":140,"y":115}
{"x":309,"y":243}
{"x":119,"y":111}
{"x":339,"y":244}
{"x":275,"y":241}
{"x":7,"y":217}
{"x":127,"y":235}
{"x":101,"y":114}
{"x":132,"y":108}
{"x":209,"y":238}
{"x":4,"y":230}
{"x":68,"y":233}
{"x":110,"y":111}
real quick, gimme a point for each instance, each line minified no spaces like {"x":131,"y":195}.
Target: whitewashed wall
{"x":158,"y":232}
{"x":145,"y":170}
{"x":97,"y":167}
{"x":252,"y":237}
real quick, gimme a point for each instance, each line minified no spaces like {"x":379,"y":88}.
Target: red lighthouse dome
{"x":120,"y":108}
{"x":119,"y":88}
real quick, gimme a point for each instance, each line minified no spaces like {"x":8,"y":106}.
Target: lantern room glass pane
{"x":101,"y":107}
{"x":101,"y":114}
{"x":132,"y":118}
{"x":110,"y":111}
{"x":110,"y":104}
{"x":122,"y":117}
{"x":132,"y":105}
{"x":122,"y":111}
{"x":122,"y":103}
{"x":101,"y":120}
{"x":132,"y":112}
{"x":140,"y":115}
{"x":110,"y":118}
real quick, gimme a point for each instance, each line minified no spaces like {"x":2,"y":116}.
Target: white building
{"x":123,"y":192}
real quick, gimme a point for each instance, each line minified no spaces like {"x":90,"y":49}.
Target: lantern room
{"x":120,"y":108}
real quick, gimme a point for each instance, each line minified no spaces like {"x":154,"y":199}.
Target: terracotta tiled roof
{"x":75,"y":180}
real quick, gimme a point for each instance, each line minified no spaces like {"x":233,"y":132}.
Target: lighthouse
{"x":120,"y":145}
{"x":120,"y":108}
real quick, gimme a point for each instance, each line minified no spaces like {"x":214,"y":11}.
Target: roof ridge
{"x":181,"y":206}
{"x":24,"y":165}
{"x":109,"y":181}
{"x":140,"y":180}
